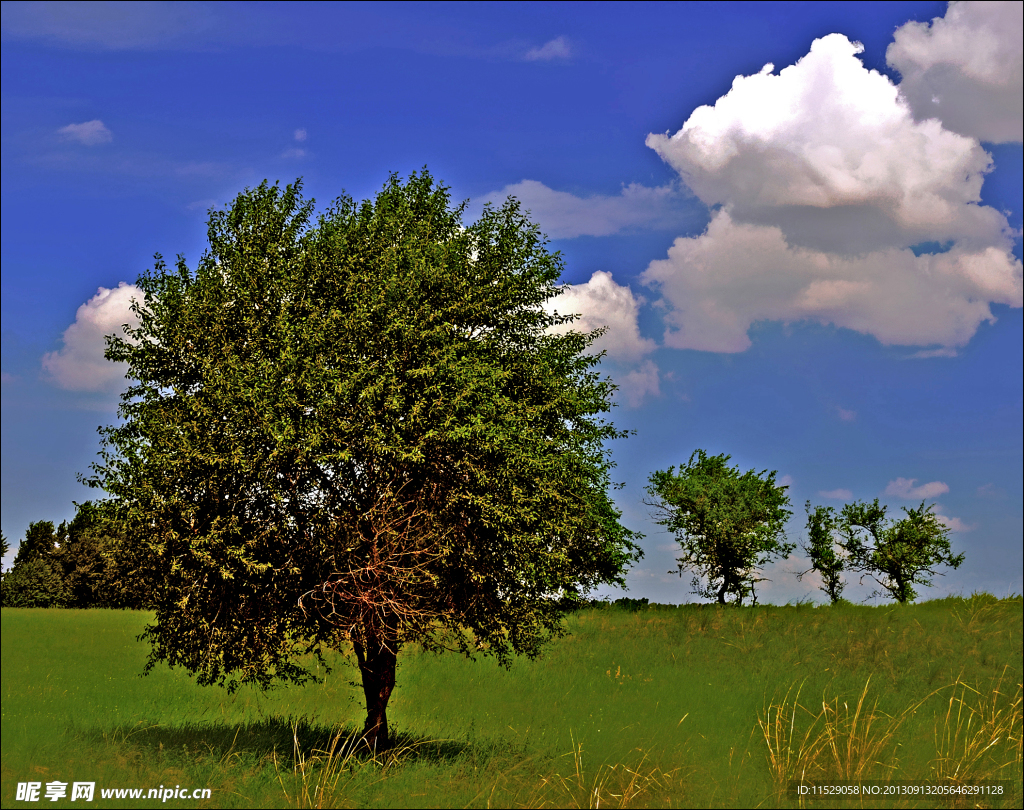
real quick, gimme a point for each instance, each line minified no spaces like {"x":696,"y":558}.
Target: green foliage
{"x":360,"y":427}
{"x":825,"y":558}
{"x":36,"y":583}
{"x":96,"y":561}
{"x":81,"y":564}
{"x":34,"y":580}
{"x":728,"y":524}
{"x":897,"y":554}
{"x":633,"y":605}
{"x":41,"y":540}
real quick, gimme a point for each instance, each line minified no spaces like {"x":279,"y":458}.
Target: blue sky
{"x":814,"y":266}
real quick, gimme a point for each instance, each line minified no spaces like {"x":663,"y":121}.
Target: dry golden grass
{"x":837,"y":743}
{"x":615,"y":785}
{"x":979,"y":737}
{"x":323,"y":775}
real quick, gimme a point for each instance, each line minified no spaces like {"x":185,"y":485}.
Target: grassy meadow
{"x":689,"y":706}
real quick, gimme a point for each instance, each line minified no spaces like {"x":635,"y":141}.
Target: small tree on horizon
{"x":728,"y":524}
{"x":896,"y":554}
{"x":360,"y":430}
{"x":826,"y":557}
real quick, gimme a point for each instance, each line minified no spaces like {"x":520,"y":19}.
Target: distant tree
{"x":728,"y":524}
{"x":827,"y":556}
{"x":897,"y":554}
{"x":4,"y":548}
{"x":97,"y":561}
{"x":36,"y":583}
{"x":40,"y":541}
{"x":360,"y":429}
{"x":35,"y":580}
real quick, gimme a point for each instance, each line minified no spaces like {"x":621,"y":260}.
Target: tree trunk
{"x":377,"y":663}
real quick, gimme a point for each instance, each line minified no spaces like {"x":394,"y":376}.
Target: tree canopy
{"x":897,"y":554}
{"x":360,"y":428}
{"x":728,"y":524}
{"x":80,"y":564}
{"x":828,"y":560}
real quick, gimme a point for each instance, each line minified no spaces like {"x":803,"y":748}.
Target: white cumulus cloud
{"x":836,"y":494}
{"x":826,"y":150}
{"x":966,"y":69}
{"x":822,"y":183}
{"x":908,"y":488}
{"x":719,"y":283}
{"x":89,"y":133}
{"x":557,"y":48}
{"x":562,"y":215}
{"x":79,"y":364}
{"x":602,"y":304}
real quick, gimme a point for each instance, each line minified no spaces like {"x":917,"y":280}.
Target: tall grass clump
{"x":842,"y":742}
{"x":978,"y":738}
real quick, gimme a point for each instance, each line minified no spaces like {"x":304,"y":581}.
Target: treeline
{"x":78,"y":564}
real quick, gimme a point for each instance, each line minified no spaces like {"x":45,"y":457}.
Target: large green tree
{"x":360,"y":429}
{"x":729,"y":524}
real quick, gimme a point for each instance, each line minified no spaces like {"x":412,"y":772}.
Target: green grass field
{"x":697,"y":705}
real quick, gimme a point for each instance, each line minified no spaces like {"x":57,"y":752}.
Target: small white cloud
{"x":990,"y":492}
{"x":79,"y":365}
{"x":640,"y":383}
{"x":943,"y":352}
{"x":954,"y":524}
{"x":785,"y":481}
{"x":293,"y":153}
{"x":907,"y":488}
{"x":557,"y":48}
{"x":845,"y":415}
{"x":966,"y":69}
{"x":300,"y":135}
{"x":562,"y":215}
{"x":88,"y":133}
{"x":836,"y":494}
{"x":602,"y":304}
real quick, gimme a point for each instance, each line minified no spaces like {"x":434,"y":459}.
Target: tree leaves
{"x":729,"y":524}
{"x":359,"y":425}
{"x":897,"y":554}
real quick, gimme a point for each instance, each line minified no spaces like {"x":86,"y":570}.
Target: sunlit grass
{"x":698,"y":705}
